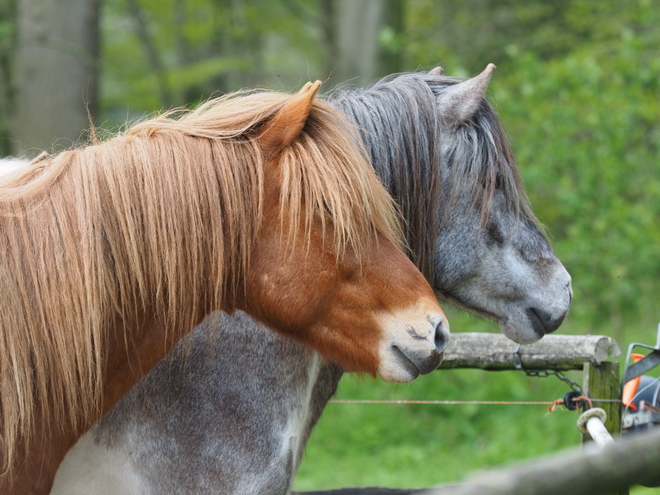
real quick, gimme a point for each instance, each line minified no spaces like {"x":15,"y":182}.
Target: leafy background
{"x":577,"y":88}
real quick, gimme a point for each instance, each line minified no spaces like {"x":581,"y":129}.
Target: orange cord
{"x":630,"y":388}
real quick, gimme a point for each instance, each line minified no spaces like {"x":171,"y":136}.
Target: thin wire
{"x":459,"y":402}
{"x":441,"y":402}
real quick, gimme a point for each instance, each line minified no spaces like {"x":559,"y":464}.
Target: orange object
{"x":630,"y":387}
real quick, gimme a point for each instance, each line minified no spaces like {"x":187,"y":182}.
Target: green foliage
{"x":164,"y":53}
{"x":585,"y":129}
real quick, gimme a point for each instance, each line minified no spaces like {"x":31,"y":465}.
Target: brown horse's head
{"x":327,"y":267}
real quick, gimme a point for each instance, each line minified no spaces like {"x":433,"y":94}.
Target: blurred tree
{"x":56,"y":71}
{"x":164,"y":53}
{"x":476,"y":32}
{"x":362,"y":38}
{"x":7,"y":47}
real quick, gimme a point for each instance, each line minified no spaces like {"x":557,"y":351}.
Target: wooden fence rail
{"x":589,"y":353}
{"x":556,"y":352}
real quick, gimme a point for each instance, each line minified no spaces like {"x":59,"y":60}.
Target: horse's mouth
{"x":405,"y":362}
{"x":537,"y":324}
{"x":542,"y":322}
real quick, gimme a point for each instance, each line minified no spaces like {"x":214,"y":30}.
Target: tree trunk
{"x":56,"y":73}
{"x":353,"y":32}
{"x":7,"y":52}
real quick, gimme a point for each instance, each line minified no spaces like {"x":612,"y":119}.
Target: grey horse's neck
{"x":233,"y":396}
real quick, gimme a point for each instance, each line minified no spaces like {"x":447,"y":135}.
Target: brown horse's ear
{"x":286,"y":125}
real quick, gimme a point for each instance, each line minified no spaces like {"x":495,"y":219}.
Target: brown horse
{"x":259,"y":202}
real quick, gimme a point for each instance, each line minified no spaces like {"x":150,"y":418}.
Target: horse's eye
{"x":327,"y":210}
{"x":499,"y":180}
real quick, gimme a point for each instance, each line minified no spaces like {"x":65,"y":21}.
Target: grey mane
{"x":398,"y":120}
{"x":400,"y":126}
{"x":480,"y":155}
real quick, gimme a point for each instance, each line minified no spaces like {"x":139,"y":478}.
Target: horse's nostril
{"x":542,"y":321}
{"x":441,"y":336}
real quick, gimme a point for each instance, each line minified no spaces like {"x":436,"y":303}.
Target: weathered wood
{"x":574,"y":472}
{"x":603,"y":471}
{"x":557,"y":352}
{"x":602,"y":382}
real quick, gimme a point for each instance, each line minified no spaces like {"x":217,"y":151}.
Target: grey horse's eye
{"x":499,"y":180}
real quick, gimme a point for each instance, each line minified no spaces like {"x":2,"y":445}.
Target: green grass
{"x":424,"y":445}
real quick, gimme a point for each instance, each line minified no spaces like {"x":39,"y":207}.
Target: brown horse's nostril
{"x":431,"y":363}
{"x":440,"y":338}
{"x":441,"y":335}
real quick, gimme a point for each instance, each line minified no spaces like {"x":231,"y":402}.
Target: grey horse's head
{"x":491,"y":256}
{"x":439,"y":147}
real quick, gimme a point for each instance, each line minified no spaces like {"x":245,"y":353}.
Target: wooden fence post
{"x":602,"y":382}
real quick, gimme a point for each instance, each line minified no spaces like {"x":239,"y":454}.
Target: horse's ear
{"x":287,"y":124}
{"x":458,"y":103}
{"x":437,"y":71}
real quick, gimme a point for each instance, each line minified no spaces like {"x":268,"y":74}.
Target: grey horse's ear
{"x":437,"y":71}
{"x":458,"y":103}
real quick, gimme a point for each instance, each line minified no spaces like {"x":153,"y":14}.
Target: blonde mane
{"x":156,"y":222}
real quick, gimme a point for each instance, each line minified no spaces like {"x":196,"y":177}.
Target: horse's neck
{"x":232,"y":388}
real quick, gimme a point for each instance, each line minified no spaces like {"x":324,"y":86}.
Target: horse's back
{"x":12,"y":167}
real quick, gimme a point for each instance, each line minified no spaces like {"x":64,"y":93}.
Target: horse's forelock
{"x":479,"y":156}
